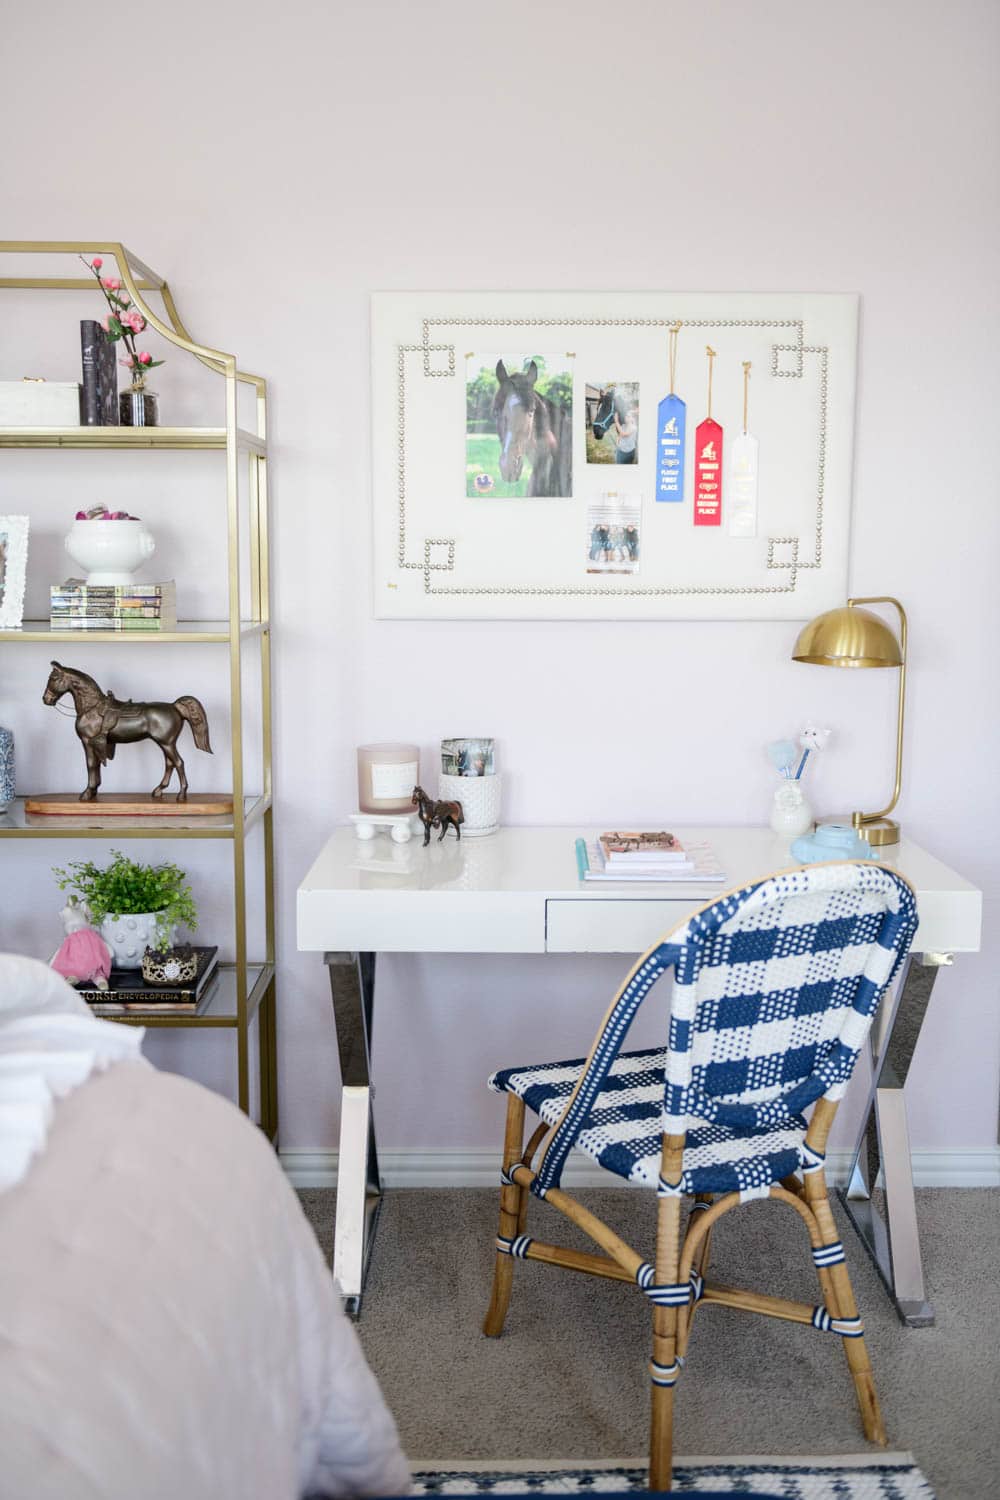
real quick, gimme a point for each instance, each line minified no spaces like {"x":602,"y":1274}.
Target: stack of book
{"x":75,"y":605}
{"x":655,"y":856}
{"x":128,"y":991}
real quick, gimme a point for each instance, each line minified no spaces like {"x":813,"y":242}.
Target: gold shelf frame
{"x":249,"y":982}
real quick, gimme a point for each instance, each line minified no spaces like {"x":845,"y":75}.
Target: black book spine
{"x":107,"y":381}
{"x":90,"y":397}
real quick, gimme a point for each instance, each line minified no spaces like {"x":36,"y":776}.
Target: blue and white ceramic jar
{"x":6,"y":768}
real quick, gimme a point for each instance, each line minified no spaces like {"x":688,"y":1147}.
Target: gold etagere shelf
{"x":245,"y":988}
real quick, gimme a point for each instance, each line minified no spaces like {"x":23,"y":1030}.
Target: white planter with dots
{"x":130,"y":936}
{"x":480,"y":799}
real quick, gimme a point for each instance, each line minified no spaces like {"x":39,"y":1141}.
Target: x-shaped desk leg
{"x":359,"y":1188}
{"x":884,"y":1146}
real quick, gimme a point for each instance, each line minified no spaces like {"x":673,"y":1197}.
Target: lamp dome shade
{"x":848,"y":637}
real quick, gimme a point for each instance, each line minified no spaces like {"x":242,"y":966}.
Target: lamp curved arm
{"x":888,"y":599}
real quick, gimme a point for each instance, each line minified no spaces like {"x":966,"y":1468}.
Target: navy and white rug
{"x":887,"y":1476}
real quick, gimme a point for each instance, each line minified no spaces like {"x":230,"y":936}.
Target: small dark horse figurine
{"x":530,"y":424}
{"x":103,"y":722}
{"x":437,"y":814}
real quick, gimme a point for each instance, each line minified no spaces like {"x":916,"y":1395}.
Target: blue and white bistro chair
{"x":774,"y":989}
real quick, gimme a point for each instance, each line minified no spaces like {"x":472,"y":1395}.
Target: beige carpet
{"x":567,"y":1380}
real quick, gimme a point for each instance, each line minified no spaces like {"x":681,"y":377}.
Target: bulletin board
{"x":519,"y":447}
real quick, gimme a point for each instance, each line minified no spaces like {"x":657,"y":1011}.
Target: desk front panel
{"x":611,"y":926}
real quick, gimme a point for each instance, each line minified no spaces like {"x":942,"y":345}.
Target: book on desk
{"x":650,"y":858}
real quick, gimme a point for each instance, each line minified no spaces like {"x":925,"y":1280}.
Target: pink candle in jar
{"x":387,"y":775}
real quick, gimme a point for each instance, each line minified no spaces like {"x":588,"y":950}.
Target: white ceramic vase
{"x":109,"y":551}
{"x":129,"y":936}
{"x":791,"y":814}
{"x":480,"y":799}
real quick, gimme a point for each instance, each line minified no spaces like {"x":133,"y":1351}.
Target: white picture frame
{"x":13,"y":570}
{"x":440,"y":553}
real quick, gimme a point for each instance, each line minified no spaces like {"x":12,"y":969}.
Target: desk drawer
{"x":611,"y":926}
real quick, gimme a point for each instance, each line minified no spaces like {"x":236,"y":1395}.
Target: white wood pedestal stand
{"x":401,"y":826}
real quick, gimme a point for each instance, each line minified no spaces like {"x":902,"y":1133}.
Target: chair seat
{"x":624,"y":1129}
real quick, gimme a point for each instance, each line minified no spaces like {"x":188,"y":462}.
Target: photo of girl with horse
{"x":519,"y":427}
{"x":612,"y":422}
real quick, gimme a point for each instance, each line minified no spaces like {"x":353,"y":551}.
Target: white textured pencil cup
{"x":480,"y":799}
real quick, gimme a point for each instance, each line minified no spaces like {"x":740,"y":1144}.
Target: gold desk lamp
{"x":855,"y":637}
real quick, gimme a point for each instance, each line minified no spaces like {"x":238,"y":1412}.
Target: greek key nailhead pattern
{"x":427,"y":567}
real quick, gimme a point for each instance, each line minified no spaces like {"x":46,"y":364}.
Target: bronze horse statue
{"x":437,"y":814}
{"x":529,"y":424}
{"x":103,"y":722}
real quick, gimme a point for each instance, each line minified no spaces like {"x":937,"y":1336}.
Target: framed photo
{"x":13,"y":569}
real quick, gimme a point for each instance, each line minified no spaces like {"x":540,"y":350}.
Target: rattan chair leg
{"x":661,"y":1414}
{"x":512,"y":1213}
{"x":665,"y":1368}
{"x":836,"y":1280}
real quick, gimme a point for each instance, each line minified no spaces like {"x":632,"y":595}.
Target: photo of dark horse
{"x":519,"y":427}
{"x":605,"y":413}
{"x":529,"y":425}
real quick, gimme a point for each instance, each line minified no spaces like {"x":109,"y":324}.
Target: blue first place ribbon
{"x":671,"y":422}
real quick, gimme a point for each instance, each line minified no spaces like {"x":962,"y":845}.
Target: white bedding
{"x":168,"y":1327}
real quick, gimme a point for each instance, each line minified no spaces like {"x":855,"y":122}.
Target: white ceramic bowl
{"x":110,"y":551}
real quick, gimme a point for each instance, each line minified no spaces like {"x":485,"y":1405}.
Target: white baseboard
{"x":975,"y":1167}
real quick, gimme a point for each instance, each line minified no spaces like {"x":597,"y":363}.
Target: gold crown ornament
{"x":171,"y":966}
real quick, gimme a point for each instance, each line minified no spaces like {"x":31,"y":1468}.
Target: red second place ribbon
{"x":708,"y":473}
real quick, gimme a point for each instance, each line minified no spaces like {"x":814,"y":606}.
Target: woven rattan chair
{"x":774,"y":989}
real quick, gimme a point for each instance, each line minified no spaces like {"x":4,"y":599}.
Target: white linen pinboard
{"x":439,"y":554}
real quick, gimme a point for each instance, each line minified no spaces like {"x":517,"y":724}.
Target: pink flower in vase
{"x":97,"y":262}
{"x":128,"y":362}
{"x":133,"y":320}
{"x":144,"y":358}
{"x":111,"y":283}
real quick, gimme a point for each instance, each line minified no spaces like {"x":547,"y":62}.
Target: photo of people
{"x":613,"y":533}
{"x":612,"y":422}
{"x":467,"y":757}
{"x":518,"y":426}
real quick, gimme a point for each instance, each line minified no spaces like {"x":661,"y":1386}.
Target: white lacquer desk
{"x":518,"y":892}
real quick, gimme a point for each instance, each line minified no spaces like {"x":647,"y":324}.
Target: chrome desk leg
{"x":359,"y":1189}
{"x":884,"y":1144}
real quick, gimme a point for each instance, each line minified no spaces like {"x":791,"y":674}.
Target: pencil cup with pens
{"x":791,"y":813}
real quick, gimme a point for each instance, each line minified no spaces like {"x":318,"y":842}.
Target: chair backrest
{"x":775,"y":988}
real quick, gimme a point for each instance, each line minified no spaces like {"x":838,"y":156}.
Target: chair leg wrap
{"x":670,"y":1293}
{"x":518,"y":1247}
{"x":665,"y":1374}
{"x":848,"y":1328}
{"x":829,"y":1255}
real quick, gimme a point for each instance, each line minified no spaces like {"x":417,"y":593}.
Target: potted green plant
{"x":135,"y":906}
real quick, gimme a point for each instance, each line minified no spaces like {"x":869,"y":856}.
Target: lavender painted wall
{"x":281,"y":165}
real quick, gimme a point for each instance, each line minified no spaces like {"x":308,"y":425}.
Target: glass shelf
{"x":219,"y":1007}
{"x":127,"y":437}
{"x":15,"y":823}
{"x":183,"y":633}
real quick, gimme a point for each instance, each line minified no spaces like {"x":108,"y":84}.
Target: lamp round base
{"x":878,"y":833}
